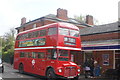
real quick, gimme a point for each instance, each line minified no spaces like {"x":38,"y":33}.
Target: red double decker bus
{"x":48,"y":51}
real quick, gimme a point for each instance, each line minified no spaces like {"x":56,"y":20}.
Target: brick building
{"x":102,"y":43}
{"x":51,"y":18}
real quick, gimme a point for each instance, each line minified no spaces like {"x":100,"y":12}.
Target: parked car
{"x":1,"y":66}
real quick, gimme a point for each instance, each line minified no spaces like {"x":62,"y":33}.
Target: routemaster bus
{"x":48,"y":51}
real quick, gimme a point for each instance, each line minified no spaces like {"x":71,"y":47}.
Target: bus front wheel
{"x":51,"y":74}
{"x":21,"y":68}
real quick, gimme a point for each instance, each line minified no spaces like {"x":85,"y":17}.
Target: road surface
{"x":12,"y":74}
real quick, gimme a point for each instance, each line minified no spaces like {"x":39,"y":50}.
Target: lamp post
{"x":1,"y":47}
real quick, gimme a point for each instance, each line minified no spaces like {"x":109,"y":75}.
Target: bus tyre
{"x":21,"y":68}
{"x":2,"y":69}
{"x":51,"y":74}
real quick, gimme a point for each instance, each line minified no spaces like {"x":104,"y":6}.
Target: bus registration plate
{"x":71,"y":77}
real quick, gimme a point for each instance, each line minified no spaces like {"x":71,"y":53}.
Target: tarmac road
{"x":12,"y":74}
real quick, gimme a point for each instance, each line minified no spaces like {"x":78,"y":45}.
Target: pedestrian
{"x":87,"y":68}
{"x":96,"y":69}
{"x":91,"y":62}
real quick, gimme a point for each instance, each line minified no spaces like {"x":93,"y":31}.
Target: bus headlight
{"x":60,"y":70}
{"x":78,"y":70}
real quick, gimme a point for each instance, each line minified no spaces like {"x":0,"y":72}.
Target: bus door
{"x":40,"y":62}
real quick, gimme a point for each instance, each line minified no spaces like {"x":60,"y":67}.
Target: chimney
{"x":23,"y":20}
{"x":62,"y":14}
{"x":89,"y":20}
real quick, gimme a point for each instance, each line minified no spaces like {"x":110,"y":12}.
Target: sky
{"x":119,"y":10}
{"x":11,"y":11}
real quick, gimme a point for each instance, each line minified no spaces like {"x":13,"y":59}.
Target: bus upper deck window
{"x":43,"y":32}
{"x":63,"y":31}
{"x":74,"y":33}
{"x":52,"y":31}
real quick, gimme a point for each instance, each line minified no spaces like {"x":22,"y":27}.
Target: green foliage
{"x":80,"y":18}
{"x":8,"y":45}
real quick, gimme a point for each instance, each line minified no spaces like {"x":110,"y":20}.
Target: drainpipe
{"x":113,"y":59}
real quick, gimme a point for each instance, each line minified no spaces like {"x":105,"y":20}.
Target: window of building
{"x":52,"y":31}
{"x":34,"y":26}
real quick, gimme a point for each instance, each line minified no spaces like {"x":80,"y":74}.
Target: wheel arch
{"x":48,"y":69}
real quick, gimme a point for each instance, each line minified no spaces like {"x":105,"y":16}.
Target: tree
{"x":8,"y":44}
{"x":82,"y":19}
{"x":0,"y":47}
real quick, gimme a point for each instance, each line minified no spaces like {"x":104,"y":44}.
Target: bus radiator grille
{"x":70,"y":71}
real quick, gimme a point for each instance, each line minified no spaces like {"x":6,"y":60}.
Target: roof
{"x":53,"y":17}
{"x":100,"y":29}
{"x":70,"y":20}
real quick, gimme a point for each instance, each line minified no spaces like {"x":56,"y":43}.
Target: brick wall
{"x":98,"y":55}
{"x":104,"y":36}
